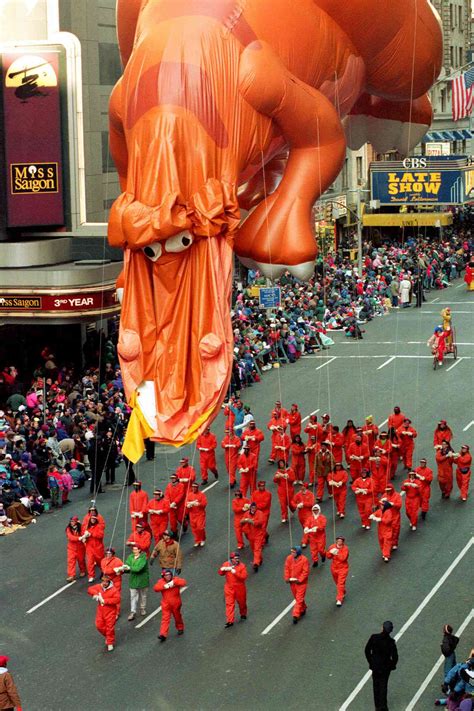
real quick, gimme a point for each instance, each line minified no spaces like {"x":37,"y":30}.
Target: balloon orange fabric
{"x":221,"y":98}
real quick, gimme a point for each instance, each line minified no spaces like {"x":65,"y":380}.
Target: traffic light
{"x":328,"y":212}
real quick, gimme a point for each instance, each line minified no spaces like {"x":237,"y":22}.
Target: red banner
{"x":32,"y":133}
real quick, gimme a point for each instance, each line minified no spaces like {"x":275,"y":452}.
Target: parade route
{"x":318,"y":663}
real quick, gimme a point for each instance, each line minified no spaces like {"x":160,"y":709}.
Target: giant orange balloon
{"x":226,"y":104}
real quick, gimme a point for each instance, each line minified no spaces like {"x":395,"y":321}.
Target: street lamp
{"x":358,"y":191}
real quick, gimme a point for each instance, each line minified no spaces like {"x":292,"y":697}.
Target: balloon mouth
{"x":176,"y":347}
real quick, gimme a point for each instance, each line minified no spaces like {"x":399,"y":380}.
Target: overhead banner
{"x":44,"y":303}
{"x":420,"y":180}
{"x":31,"y":89}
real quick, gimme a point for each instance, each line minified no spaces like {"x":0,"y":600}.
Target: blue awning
{"x":463,"y":134}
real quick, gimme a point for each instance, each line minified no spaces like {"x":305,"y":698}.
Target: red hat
{"x":262,"y":481}
{"x":295,"y":405}
{"x":4,"y":661}
{"x":326,"y":416}
{"x":137,"y":483}
{"x":234,"y":554}
{"x":140,"y":524}
{"x":75,"y":518}
{"x":183,"y":460}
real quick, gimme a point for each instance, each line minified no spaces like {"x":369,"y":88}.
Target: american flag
{"x":463,"y":96}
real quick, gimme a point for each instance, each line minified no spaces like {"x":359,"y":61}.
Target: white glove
{"x":96,"y":598}
{"x":100,"y":599}
{"x":232,"y":570}
{"x":299,"y":506}
{"x":293,"y":580}
{"x":170,"y":584}
{"x":173,"y":505}
{"x":245,"y":507}
{"x":333,"y":551}
{"x":118,"y":570}
{"x":226,"y":568}
{"x":125,"y":567}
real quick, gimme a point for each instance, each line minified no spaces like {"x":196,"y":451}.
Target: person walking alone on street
{"x":107,"y":597}
{"x":382,"y":656}
{"x":235,"y":590}
{"x":339,"y":553}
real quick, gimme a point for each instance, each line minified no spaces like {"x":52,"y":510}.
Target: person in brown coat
{"x":168,"y":553}
{"x":9,"y":698}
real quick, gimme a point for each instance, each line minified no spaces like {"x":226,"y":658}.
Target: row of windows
{"x":456,"y":56}
{"x":456,"y":16}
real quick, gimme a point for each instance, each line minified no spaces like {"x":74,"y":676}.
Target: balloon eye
{"x":153,"y":251}
{"x":178,"y":243}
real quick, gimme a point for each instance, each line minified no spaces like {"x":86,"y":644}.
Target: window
{"x":359,"y":170}
{"x":451,"y":15}
{"x":461,"y":61}
{"x":443,"y":101}
{"x":109,"y":63}
{"x":452,"y":60}
{"x":345,"y":175}
{"x":460,"y":13}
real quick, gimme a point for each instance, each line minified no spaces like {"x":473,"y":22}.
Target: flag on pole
{"x":463,"y":96}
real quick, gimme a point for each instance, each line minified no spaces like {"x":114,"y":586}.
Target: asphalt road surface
{"x":58,"y":658}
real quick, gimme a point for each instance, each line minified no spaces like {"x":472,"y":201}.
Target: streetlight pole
{"x":359,"y":237}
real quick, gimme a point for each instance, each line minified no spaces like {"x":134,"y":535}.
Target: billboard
{"x":420,"y":180}
{"x":31,"y":86}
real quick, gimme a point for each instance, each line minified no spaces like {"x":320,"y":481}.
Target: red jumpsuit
{"x":273,"y":425}
{"x":336,"y":448}
{"x":395,"y":421}
{"x":441,"y":435}
{"x":142,"y":539}
{"x":255,"y":534}
{"x":412,"y":491}
{"x":407,"y":436}
{"x":138,"y":507}
{"x":186,"y":475}
{"x":94,"y":542}
{"x":370,"y":434}
{"x":396,"y":501}
{"x":298,"y":463}
{"x":170,"y":603}
{"x":445,"y":473}
{"x":107,"y":566}
{"x":207,"y":444}
{"x":231,"y":445}
{"x":254,"y":438}
{"x":313,"y":428}
{"x":364,"y":493}
{"x":196,"y":507}
{"x":297,"y":568}
{"x":316,"y":530}
{"x":263,"y":499}
{"x":380,"y":474}
{"x":312,"y":448}
{"x":385,"y":530}
{"x":395,"y":451}
{"x":229,"y":418}
{"x":303,"y":502}
{"x":238,"y":509}
{"x":247,"y":465}
{"x":361,"y":451}
{"x":106,"y":613}
{"x":424,"y":476}
{"x":76,"y":553}
{"x":384,"y":444}
{"x":282,"y":444}
{"x":284,"y":481}
{"x":339,"y":569}
{"x":463,"y":474}
{"x":349,"y":436}
{"x":337,"y":482}
{"x":235,"y":589}
{"x":294,"y":421}
{"x":158,"y":511}
{"x":175,"y":493}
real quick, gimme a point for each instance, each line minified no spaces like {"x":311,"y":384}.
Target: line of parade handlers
{"x":360,"y":458}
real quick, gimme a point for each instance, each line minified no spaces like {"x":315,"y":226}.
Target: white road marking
{"x":330,"y":360}
{"x":456,"y":362}
{"x":278,"y":618}
{"x":460,"y":285}
{"x":434,"y":670}
{"x":383,"y":423}
{"x":410,"y":621}
{"x":387,"y":355}
{"x":210,"y":486}
{"x":65,"y":587}
{"x":468,"y":426}
{"x":149,"y":617}
{"x":311,"y":413}
{"x":455,"y":311}
{"x":387,"y":362}
{"x":435,"y":300}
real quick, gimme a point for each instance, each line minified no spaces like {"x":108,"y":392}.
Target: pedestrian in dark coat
{"x":382,"y":656}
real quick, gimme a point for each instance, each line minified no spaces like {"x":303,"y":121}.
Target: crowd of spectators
{"x":61,"y":431}
{"x":337,"y":298}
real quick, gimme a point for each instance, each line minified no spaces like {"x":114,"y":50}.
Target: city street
{"x":60,"y":659}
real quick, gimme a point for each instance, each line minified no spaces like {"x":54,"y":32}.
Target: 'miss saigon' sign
{"x":420,"y":180}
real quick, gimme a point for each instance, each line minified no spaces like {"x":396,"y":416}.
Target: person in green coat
{"x":137,"y":567}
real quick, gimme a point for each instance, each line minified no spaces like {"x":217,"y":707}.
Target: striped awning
{"x":441,"y":136}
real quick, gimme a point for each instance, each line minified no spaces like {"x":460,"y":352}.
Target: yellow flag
{"x":138,"y":429}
